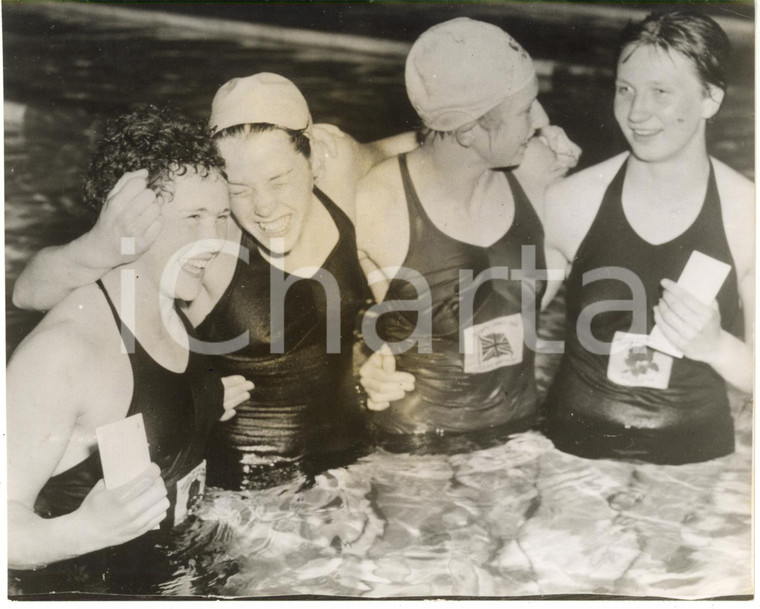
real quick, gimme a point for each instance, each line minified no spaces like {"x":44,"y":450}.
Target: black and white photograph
{"x":379,"y":300}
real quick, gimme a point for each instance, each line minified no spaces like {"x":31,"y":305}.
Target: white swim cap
{"x":460,"y":69}
{"x":261,"y":98}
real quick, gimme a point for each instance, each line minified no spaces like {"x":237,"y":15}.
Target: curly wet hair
{"x":158,"y":139}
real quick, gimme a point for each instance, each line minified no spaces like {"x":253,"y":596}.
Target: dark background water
{"x":65,"y":70}
{"x":406,"y":521}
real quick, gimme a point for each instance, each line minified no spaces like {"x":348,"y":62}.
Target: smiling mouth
{"x":196,"y":266}
{"x":644,"y":134}
{"x":275,"y":228}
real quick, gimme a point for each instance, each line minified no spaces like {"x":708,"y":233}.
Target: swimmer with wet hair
{"x":646,"y":212}
{"x":469,"y":199}
{"x":120,"y":348}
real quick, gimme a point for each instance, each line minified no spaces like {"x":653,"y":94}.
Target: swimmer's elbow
{"x":21,"y":550}
{"x":23,"y":296}
{"x":32,"y":290}
{"x":18,"y":298}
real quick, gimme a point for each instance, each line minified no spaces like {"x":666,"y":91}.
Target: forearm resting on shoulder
{"x":382,"y":149}
{"x":54,"y":272}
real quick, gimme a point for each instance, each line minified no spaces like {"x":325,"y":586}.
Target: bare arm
{"x":131,"y":212}
{"x":694,"y":327}
{"x":382,"y":233}
{"x":46,"y":394}
{"x":375,"y":152}
{"x":736,"y":365}
{"x":334,"y":143}
{"x":382,"y":225}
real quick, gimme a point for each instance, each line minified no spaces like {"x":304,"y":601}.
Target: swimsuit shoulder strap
{"x":126,"y":333}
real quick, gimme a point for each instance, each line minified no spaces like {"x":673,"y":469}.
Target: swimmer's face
{"x":504,"y":132}
{"x":270,"y":187}
{"x":194,"y":217}
{"x":661,"y":104}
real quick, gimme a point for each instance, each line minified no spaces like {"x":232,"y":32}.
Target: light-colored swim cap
{"x":460,"y":69}
{"x":261,"y":98}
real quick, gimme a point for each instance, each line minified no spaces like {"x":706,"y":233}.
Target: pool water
{"x":519,"y":519}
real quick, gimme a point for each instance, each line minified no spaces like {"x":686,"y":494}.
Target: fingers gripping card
{"x":123,"y":449}
{"x":702,"y":277}
{"x":633,"y":364}
{"x":493,"y":344}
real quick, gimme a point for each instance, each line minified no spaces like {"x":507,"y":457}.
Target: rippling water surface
{"x":517,"y":519}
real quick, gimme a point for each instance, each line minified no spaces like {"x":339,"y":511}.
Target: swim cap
{"x":261,"y":98}
{"x":460,"y":69}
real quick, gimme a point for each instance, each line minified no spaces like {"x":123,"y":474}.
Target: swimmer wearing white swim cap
{"x":467,"y":199}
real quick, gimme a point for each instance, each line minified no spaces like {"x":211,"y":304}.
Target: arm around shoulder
{"x":129,"y":222}
{"x":54,"y":272}
{"x":377,"y":151}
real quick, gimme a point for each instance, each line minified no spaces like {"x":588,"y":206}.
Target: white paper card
{"x":633,"y":364}
{"x":123,"y":449}
{"x":493,"y":344}
{"x":702,"y":277}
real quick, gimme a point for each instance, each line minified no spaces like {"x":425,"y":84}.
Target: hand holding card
{"x":124,"y":452}
{"x":123,"y":449}
{"x":702,"y":277}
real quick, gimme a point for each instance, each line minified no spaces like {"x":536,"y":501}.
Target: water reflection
{"x":511,"y":519}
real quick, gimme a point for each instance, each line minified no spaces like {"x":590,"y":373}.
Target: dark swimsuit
{"x":304,"y":405}
{"x":179,"y":410}
{"x":446,"y":398}
{"x":591,"y":416}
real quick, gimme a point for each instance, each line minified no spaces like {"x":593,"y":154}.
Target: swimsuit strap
{"x":342,"y":221}
{"x":126,"y":333}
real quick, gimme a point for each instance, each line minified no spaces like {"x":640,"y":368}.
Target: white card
{"x":633,"y":364}
{"x":123,"y":449}
{"x":702,"y":277}
{"x":493,"y":344}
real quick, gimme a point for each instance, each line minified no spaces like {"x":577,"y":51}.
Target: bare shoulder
{"x":71,"y":332}
{"x":336,"y":155}
{"x":382,"y":180}
{"x":588,"y":184}
{"x":573,"y":202}
{"x":379,"y":194}
{"x":49,"y":362}
{"x":737,"y":193}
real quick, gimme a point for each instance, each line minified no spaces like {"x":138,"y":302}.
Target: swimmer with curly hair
{"x":88,"y":363}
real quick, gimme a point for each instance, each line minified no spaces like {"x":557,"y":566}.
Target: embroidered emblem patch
{"x":493,"y":344}
{"x":634,"y":364}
